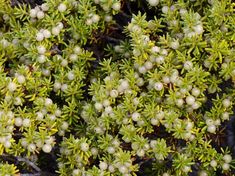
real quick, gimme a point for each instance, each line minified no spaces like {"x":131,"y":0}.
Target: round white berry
{"x":111,"y":150}
{"x":116,"y":6}
{"x":60,"y":25}
{"x":148,"y":65}
{"x":62,"y":7}
{"x":114,"y":93}
{"x":20,"y":79}
{"x":95,"y":18}
{"x":64,"y":126}
{"x":165,"y":9}
{"x":48,"y":102}
{"x":57,"y":86}
{"x":94,"y":151}
{"x":158,"y":86}
{"x":55,"y":30}
{"x":179,"y":102}
{"x":33,"y":13}
{"x":64,"y":63}
{"x":71,"y":76}
{"x":84,"y":147}
{"x":123,"y":169}
{"x":108,"y":109}
{"x":103,"y":165}
{"x":188,"y":65}
{"x":44,"y":7}
{"x":153,"y":2}
{"x":225,"y":116}
{"x":186,"y":169}
{"x":196,"y":92}
{"x":39,"y":36}
{"x":226,"y":103}
{"x":174,"y":45}
{"x":227,"y":158}
{"x":46,"y":33}
{"x":154,"y":121}
{"x":47,"y":148}
{"x":64,"y":87}
{"x":73,"y":57}
{"x":40,"y":14}
{"x":213,"y":163}
{"x":140,"y":152}
{"x":41,"y":49}
{"x":26,"y":122}
{"x":111,"y":168}
{"x":108,"y":18}
{"x":18,"y":121}
{"x":31,"y":147}
{"x":12,"y":86}
{"x":41,"y":59}
{"x":190,"y":100}
{"x":135,"y":116}
{"x":124,"y":84}
{"x":211,"y":128}
{"x":98,"y":106}
{"x":142,"y":69}
{"x":225,"y":166}
{"x":7,"y":144}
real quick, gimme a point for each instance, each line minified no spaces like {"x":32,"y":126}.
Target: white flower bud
{"x":159,"y":59}
{"x":108,"y":18}
{"x":20,"y":79}
{"x":94,"y":151}
{"x":213,"y":163}
{"x":225,"y":166}
{"x":64,"y":87}
{"x":114,"y":93}
{"x":103,"y":165}
{"x":48,"y":102}
{"x":148,"y":65}
{"x":174,"y":45}
{"x":71,"y":76}
{"x":165,"y":9}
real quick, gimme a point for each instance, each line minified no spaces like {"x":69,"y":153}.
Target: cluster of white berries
{"x":57,"y":29}
{"x":43,"y":34}
{"x":212,"y":124}
{"x":227,"y":160}
{"x":93,"y":18}
{"x":38,"y":11}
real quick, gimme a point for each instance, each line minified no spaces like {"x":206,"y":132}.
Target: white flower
{"x":62,"y":7}
{"x":196,"y":92}
{"x":114,"y":93}
{"x":98,"y":106}
{"x":64,"y":63}
{"x":165,"y":9}
{"x":77,"y":50}
{"x":174,"y":45}
{"x":188,"y":65}
{"x":57,"y":86}
{"x":198,"y":29}
{"x":135,"y":116}
{"x":153,"y":2}
{"x":48,"y":102}
{"x":213,"y":163}
{"x":148,"y":65}
{"x":64,"y":125}
{"x":89,"y":21}
{"x":159,"y":59}
{"x":155,"y":49}
{"x":64,"y":87}
{"x":225,"y":166}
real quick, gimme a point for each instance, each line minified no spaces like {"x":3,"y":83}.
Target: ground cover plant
{"x":117,"y":87}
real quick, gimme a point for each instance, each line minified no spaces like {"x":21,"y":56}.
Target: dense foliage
{"x":117,"y":87}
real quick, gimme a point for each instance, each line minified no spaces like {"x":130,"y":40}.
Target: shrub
{"x":117,"y":87}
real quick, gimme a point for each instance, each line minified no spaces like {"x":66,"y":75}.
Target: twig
{"x":28,"y":162}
